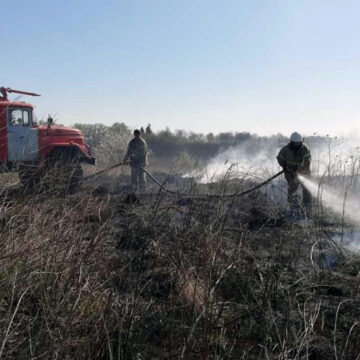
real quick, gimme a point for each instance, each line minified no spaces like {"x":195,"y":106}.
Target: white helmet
{"x":296,"y":137}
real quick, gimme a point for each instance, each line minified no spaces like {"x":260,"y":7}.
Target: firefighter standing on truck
{"x":295,"y":158}
{"x":136,"y":157}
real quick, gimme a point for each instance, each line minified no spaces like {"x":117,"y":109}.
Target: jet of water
{"x":330,"y":198}
{"x":349,"y":208}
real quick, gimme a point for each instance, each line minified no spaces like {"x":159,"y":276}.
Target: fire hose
{"x":235,"y":194}
{"x":174,"y":192}
{"x":103,"y":171}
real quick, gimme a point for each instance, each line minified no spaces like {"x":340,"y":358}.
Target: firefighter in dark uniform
{"x":136,"y":157}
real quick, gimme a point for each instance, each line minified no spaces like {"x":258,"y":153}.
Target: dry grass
{"x":92,"y":277}
{"x":8,"y":179}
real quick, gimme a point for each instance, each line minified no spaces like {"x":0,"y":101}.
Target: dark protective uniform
{"x":137,"y":155}
{"x":296,"y":160}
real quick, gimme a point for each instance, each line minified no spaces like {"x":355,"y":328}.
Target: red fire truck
{"x":33,"y":150}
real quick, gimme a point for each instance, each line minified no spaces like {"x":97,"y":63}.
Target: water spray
{"x":347,"y":208}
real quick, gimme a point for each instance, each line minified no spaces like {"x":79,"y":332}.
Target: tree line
{"x":109,"y":142}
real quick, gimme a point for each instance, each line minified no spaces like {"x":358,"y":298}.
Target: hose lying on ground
{"x":214,"y":195}
{"x":102,"y":171}
{"x":188,"y":194}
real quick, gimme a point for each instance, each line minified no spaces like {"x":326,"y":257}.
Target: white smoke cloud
{"x":257,"y":156}
{"x":252,"y":157}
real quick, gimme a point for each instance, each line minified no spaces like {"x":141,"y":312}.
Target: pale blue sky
{"x":203,"y":65}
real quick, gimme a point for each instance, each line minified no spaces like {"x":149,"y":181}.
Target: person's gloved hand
{"x":132,"y":159}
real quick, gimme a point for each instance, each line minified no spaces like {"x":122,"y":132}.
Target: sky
{"x":261,"y":66}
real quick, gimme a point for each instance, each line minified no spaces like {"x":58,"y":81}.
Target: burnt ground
{"x":104,"y":274}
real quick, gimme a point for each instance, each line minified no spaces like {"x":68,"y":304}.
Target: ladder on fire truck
{"x":5,"y":91}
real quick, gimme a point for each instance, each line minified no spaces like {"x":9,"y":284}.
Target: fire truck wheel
{"x":63,"y":178}
{"x":75,"y":179}
{"x":63,"y":172}
{"x":29,"y":177}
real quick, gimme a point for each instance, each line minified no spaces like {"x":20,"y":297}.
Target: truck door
{"x":22,"y":137}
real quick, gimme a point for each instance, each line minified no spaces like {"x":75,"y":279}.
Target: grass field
{"x":8,"y":179}
{"x":101,"y":275}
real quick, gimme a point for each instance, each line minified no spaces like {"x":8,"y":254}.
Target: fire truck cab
{"x":25,"y":145}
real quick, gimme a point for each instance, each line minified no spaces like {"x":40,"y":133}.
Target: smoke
{"x":335,"y":159}
{"x":257,"y":156}
{"x":350,"y":239}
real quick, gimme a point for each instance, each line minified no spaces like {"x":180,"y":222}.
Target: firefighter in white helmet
{"x":295,"y":158}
